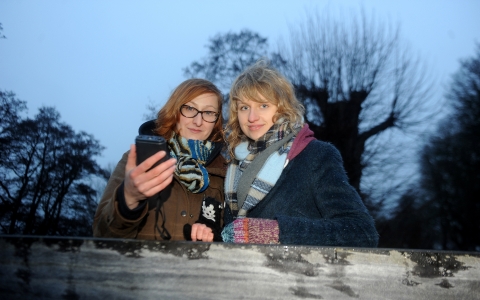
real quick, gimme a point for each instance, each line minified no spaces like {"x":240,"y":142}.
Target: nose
{"x":252,"y":115}
{"x":197,"y":120}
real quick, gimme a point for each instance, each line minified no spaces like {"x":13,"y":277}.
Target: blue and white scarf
{"x":191,"y":157}
{"x":268,"y":175}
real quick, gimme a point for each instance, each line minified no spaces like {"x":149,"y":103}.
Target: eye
{"x":210,"y":113}
{"x":189,"y":108}
{"x":242,"y":107}
{"x":264,"y":105}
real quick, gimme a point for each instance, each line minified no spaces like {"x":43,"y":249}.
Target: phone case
{"x":148,"y":145}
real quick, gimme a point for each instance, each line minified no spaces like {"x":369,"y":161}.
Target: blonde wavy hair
{"x":168,"y":116}
{"x":262,"y":79}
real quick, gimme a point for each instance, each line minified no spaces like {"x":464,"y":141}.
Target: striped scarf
{"x":268,"y":175}
{"x":191,"y":157}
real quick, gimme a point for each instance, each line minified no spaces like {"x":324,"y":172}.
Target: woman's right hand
{"x":140,"y":184}
{"x":201,"y":232}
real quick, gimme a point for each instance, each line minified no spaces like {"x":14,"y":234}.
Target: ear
{"x":275,"y":117}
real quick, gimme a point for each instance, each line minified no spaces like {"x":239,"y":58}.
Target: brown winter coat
{"x":180,"y":208}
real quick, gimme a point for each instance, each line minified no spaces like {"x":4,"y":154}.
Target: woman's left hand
{"x":201,"y":232}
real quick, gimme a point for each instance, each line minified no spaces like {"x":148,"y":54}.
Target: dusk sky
{"x":100,"y":63}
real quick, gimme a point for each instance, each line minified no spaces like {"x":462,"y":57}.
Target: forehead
{"x":259,"y":98}
{"x":204,"y":100}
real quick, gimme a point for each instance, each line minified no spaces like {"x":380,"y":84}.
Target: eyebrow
{"x":240,"y":102}
{"x":196,"y":105}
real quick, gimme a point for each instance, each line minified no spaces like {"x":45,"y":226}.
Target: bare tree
{"x":228,"y":55}
{"x":359,"y":82}
{"x":44,"y":174}
{"x":152,"y":111}
{"x":363,"y":89}
{"x":1,"y":30}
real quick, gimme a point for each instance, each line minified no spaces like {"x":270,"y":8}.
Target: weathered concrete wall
{"x":53,"y":268}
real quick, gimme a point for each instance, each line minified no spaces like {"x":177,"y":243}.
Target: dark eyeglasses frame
{"x":199,"y":112}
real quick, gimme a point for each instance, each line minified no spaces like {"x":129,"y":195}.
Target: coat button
{"x":191,"y":216}
{"x":183,"y":213}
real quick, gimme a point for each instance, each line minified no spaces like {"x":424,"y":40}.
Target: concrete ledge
{"x":76,"y":268}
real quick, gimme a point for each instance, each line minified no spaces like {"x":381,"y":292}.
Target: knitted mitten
{"x":251,"y":231}
{"x":210,"y":215}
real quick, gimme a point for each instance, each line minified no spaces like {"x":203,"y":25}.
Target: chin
{"x":197,"y":138}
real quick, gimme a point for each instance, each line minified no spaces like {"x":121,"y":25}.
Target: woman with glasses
{"x":164,"y":201}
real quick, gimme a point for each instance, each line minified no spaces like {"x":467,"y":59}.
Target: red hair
{"x":169,"y":115}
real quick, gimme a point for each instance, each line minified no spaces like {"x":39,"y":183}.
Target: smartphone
{"x":148,"y":145}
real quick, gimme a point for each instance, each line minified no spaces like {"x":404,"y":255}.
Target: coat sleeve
{"x":108,"y":221}
{"x":338,"y":218}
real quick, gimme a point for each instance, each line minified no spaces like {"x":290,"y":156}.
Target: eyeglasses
{"x":192,"y":112}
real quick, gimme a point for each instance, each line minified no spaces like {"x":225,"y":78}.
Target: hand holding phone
{"x":148,"y":145}
{"x":140,"y":184}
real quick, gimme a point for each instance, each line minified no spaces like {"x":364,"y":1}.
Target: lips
{"x":194,"y":130}
{"x":254,"y":127}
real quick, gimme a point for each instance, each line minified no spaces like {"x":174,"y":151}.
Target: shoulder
{"x":320,"y":148}
{"x":219,"y":161}
{"x":217,"y":165}
{"x":318,"y":153}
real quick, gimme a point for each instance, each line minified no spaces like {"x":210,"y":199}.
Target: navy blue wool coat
{"x":315,"y":205}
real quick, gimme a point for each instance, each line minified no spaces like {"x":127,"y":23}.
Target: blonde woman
{"x":283,"y":185}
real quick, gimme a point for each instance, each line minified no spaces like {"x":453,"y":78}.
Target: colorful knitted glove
{"x":251,"y":231}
